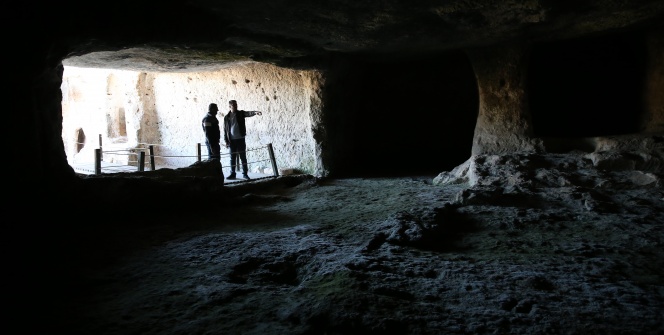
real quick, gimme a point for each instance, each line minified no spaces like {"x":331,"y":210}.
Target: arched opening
{"x":587,"y":87}
{"x":410,"y":115}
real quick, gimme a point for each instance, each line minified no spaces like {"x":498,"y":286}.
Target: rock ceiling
{"x":199,"y":35}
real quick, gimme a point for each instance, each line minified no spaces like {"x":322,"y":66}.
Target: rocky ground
{"x":515,"y":244}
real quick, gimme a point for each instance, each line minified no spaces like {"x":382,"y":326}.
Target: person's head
{"x":213,"y":109}
{"x":233,"y":105}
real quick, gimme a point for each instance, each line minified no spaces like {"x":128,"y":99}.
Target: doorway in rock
{"x":588,"y":87}
{"x":406,"y":115}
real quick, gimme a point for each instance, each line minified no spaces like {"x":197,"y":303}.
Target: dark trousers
{"x":239,"y":147}
{"x":214,"y":150}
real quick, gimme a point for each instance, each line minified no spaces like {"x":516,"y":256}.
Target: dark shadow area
{"x":588,"y":87}
{"x":439,"y":230}
{"x":404,"y":116}
{"x":568,"y":144}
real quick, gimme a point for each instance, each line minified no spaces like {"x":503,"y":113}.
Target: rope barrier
{"x":148,"y":144}
{"x":127,"y":150}
{"x":175,"y":156}
{"x":141,"y":152}
{"x":115,"y":153}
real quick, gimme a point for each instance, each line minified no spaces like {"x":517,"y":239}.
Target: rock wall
{"x":37,"y":115}
{"x":99,"y":102}
{"x":136,"y":109}
{"x":505,"y":119}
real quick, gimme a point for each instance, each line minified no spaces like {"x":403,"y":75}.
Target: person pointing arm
{"x":235,"y":131}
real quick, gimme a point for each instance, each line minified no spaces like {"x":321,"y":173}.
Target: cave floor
{"x":381,"y":256}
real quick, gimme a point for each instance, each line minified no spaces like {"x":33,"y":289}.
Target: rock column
{"x":315,"y":82}
{"x":503,"y":122}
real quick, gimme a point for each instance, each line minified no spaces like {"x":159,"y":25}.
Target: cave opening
{"x":131,"y":109}
{"x":588,"y":87}
{"x":407,"y":115}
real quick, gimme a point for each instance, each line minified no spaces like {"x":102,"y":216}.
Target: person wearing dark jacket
{"x":212,"y":133}
{"x":235,"y":131}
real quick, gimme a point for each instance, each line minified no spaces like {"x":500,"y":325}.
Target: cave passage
{"x":587,"y":87}
{"x":406,"y":116}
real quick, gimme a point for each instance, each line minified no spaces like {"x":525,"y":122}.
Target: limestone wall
{"x":94,"y":102}
{"x":131,"y":109}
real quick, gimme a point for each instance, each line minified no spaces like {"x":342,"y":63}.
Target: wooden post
{"x":151,"y":148}
{"x":274,"y":162}
{"x":97,"y":161}
{"x":198,"y":151}
{"x":141,"y":161}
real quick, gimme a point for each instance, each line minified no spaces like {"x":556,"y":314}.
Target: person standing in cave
{"x":235,"y":131}
{"x":212,"y":132}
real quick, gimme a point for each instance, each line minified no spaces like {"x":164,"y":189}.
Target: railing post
{"x":198,"y":151}
{"x":151,"y":148}
{"x":97,"y":161}
{"x":274,"y":162}
{"x":141,"y":161}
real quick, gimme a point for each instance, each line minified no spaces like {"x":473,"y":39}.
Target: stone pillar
{"x":503,"y":122}
{"x":653,"y":123}
{"x":314,"y":84}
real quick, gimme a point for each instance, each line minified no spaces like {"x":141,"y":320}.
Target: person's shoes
{"x":245,"y":176}
{"x":231,"y":176}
